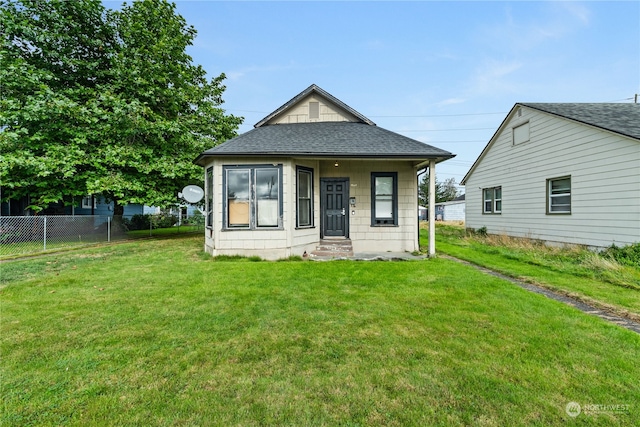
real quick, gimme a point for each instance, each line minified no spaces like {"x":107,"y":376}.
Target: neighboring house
{"x":89,"y":205}
{"x":562,"y":173}
{"x":452,"y":210}
{"x":314,"y":169}
{"x":86,"y":206}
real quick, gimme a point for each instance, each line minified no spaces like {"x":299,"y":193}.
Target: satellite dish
{"x":192,"y":193}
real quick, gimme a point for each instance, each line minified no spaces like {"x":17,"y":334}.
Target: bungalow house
{"x":561,"y":173}
{"x":313,"y":172}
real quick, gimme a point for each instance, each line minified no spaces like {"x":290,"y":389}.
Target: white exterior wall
{"x":277,"y":244}
{"x":605,"y":183}
{"x":453,"y":211}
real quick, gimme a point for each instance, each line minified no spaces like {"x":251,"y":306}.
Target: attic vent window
{"x":314,"y":110}
{"x":521,"y":134}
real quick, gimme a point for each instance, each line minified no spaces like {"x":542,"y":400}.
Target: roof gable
{"x":622,"y":119}
{"x":299,"y":110}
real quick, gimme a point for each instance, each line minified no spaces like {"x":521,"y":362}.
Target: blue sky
{"x":444,"y":73}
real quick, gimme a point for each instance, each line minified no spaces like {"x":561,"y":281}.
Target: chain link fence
{"x":21,"y":235}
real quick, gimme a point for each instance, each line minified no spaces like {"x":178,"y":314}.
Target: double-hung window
{"x":384,"y":198}
{"x":209,"y":194}
{"x":559,"y":195}
{"x":304,"y":185}
{"x":492,"y":200}
{"x":253,"y":196}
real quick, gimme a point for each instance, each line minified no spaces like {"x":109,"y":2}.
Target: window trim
{"x":253,"y":205}
{"x":84,"y":205}
{"x":551,"y":196}
{"x":520,"y":126}
{"x":309,"y":171}
{"x":494,"y":201}
{"x":378,"y":222}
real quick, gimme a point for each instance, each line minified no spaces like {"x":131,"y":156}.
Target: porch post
{"x":432,"y":207}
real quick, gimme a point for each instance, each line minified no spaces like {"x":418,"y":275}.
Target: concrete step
{"x":333,"y":248}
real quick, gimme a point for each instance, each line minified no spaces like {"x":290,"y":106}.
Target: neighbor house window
{"x":88,"y":202}
{"x":305,"y":197}
{"x":559,"y":195}
{"x":384,"y":198}
{"x":492,"y":200}
{"x":253,"y":196}
{"x":209,"y":194}
{"x":521,"y":133}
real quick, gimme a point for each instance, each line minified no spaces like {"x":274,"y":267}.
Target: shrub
{"x":627,"y":255}
{"x":482,"y":231}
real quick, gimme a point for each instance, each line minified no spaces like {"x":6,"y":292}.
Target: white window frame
{"x":490,"y":198}
{"x":86,"y":202}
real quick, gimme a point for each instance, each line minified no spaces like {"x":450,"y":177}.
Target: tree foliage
{"x":445,"y":191}
{"x":95,"y":101}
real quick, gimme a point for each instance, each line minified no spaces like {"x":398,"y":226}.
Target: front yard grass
{"x":156,"y":333}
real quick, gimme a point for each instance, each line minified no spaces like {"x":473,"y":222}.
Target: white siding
{"x":453,"y":211}
{"x":605,"y":183}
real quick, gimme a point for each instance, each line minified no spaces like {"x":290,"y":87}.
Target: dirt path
{"x":624,"y":322}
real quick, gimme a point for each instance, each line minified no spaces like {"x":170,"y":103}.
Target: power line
{"x":442,"y":130}
{"x":445,"y":115}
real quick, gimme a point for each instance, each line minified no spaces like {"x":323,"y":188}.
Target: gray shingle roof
{"x":620,"y":118}
{"x":325,"y":140}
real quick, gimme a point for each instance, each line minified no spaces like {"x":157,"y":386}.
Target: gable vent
{"x":314,"y":110}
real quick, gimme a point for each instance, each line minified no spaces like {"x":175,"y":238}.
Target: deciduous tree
{"x":103,"y":102}
{"x":445,"y":191}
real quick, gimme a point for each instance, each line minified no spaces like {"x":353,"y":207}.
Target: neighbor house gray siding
{"x":604,"y":167}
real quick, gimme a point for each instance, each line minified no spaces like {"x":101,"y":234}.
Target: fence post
{"x":45,"y":234}
{"x":108,"y":229}
{"x":150,"y":226}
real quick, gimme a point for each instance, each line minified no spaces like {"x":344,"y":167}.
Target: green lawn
{"x":155,"y":332}
{"x":573,"y":271}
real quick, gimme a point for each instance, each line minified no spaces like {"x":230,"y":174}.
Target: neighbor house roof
{"x":325,"y":140}
{"x":623,"y":119}
{"x":619,"y":118}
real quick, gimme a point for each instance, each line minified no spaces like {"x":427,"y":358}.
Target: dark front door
{"x":334,"y":193}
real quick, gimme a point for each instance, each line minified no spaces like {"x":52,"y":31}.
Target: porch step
{"x":333,"y":248}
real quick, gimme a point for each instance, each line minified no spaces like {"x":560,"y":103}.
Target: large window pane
{"x":384,"y":198}
{"x":560,"y":195}
{"x":305,"y":182}
{"x":267,"y":187}
{"x":238,"y":198}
